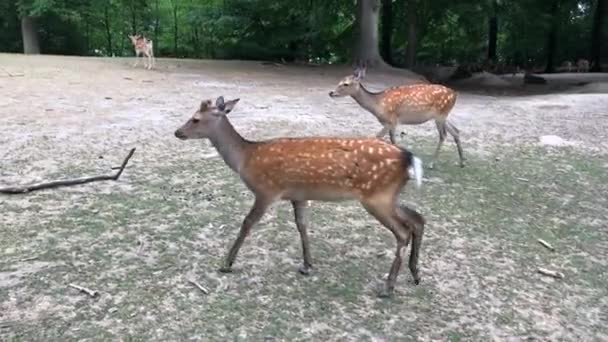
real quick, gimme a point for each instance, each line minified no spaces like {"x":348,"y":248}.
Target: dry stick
{"x":554,"y":274}
{"x":200,"y":287}
{"x":546,"y":244}
{"x":67,"y":182}
{"x":85,"y":290}
{"x":12,"y":75}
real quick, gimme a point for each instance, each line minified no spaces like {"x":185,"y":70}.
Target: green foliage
{"x":305,"y":30}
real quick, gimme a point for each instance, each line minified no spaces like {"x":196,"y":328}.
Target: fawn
{"x":409,"y":105}
{"x":323,"y":169}
{"x":143,"y":46}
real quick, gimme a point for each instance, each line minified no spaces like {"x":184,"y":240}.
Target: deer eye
{"x":194,"y":120}
{"x":346,"y":84}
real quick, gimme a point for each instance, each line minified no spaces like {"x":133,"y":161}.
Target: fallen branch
{"x":12,"y":75}
{"x":85,"y":290}
{"x":199,"y":286}
{"x":546,"y":244}
{"x":550,"y":273}
{"x":67,"y":182}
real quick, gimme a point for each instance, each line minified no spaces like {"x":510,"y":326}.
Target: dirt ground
{"x":177,"y":208}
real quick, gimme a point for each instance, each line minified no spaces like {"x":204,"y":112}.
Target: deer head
{"x":349,"y":85}
{"x":205,"y":120}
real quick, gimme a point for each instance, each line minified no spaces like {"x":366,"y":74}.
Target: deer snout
{"x":333,"y":94}
{"x":180,"y":135}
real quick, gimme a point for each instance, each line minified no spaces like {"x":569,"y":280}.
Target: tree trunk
{"x":175,"y":32}
{"x":412,"y":34}
{"x":133,"y":17}
{"x":493,"y":31}
{"x":156,"y":28}
{"x":552,"y":38}
{"x":601,"y":11}
{"x":367,"y":50}
{"x":387,"y":30}
{"x":106,"y":22}
{"x":29,"y":34}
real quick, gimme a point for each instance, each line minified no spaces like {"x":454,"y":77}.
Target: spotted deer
{"x":143,"y":46}
{"x":408,"y":105}
{"x":582,"y":65}
{"x":319,"y":169}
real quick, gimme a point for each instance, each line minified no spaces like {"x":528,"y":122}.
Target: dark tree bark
{"x":133,"y":17}
{"x":156,"y":27}
{"x":552,"y":38}
{"x":412,"y":34}
{"x":597,"y":36}
{"x":367,"y":51}
{"x":493,"y":31}
{"x":387,"y":30}
{"x":106,"y":23}
{"x":175,"y":27}
{"x":29,"y":33}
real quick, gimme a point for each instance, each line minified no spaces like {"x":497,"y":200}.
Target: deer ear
{"x":219,"y":103}
{"x":229,"y":105}
{"x":359,"y":72}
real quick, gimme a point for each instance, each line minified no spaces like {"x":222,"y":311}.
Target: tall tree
{"x":493,"y":30}
{"x":597,"y":36}
{"x":29,"y":33}
{"x":108,"y":27}
{"x":367,"y":51}
{"x":412,"y":33}
{"x":387,"y":30}
{"x":552,"y":37}
{"x":175,"y":25}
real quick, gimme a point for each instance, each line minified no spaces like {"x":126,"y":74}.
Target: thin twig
{"x":29,"y":258}
{"x":85,"y":290}
{"x":199,"y":286}
{"x":12,"y":75}
{"x":67,"y":182}
{"x":546,"y":244}
{"x":554,"y":274}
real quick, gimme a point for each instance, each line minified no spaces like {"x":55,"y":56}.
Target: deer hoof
{"x":305,"y":269}
{"x":385,"y":291}
{"x":225,"y":269}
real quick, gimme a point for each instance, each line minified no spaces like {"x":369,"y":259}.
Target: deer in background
{"x":143,"y":46}
{"x":323,"y":169}
{"x":408,"y":105}
{"x":582,"y":65}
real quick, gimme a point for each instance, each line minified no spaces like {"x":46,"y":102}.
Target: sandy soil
{"x":67,"y":117}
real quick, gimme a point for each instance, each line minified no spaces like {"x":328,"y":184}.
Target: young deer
{"x":143,"y":46}
{"x":408,"y":105}
{"x":324,"y":169}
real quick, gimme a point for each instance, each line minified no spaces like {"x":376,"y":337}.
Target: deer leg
{"x":255,"y":214}
{"x":441,"y":128}
{"x":136,"y":59}
{"x":391,"y":135}
{"x":300,"y":209}
{"x":385,"y":215}
{"x":411,"y":218}
{"x":382,"y":132}
{"x":456,"y":135}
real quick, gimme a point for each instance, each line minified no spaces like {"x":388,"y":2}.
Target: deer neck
{"x":229,"y":144}
{"x":370,"y":101}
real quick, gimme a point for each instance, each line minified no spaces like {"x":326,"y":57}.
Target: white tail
{"x":325,"y":169}
{"x":415,"y":171}
{"x":408,"y":105}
